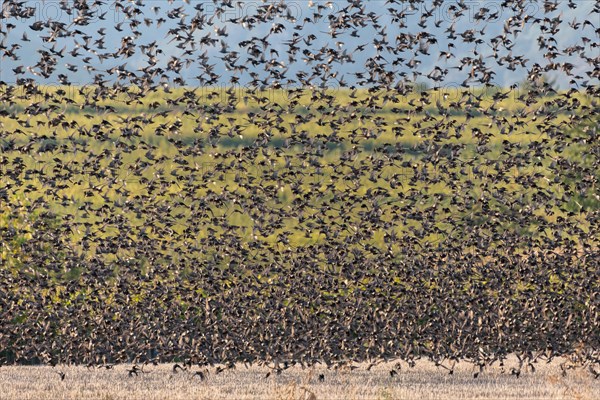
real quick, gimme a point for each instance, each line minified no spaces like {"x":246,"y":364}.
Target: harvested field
{"x":424,"y":381}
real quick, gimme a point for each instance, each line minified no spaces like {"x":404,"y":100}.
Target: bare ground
{"x":424,"y":381}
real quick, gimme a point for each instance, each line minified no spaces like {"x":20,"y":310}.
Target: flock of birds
{"x":464,"y":244}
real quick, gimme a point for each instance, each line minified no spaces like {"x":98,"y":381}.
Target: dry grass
{"x":425,"y":381}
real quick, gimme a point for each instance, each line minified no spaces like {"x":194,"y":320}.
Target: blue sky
{"x":525,"y":43}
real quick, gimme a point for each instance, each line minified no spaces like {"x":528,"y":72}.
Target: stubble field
{"x":423,"y":381}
